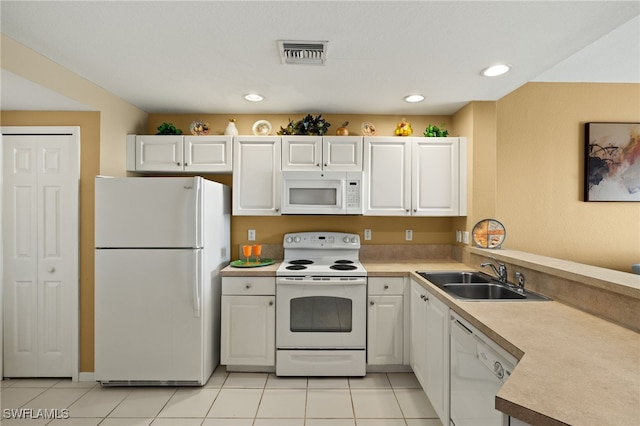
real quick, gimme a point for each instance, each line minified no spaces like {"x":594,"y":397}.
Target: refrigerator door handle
{"x":199,"y":213}
{"x":197,"y":282}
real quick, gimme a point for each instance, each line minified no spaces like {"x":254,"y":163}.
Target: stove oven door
{"x":321,"y":313}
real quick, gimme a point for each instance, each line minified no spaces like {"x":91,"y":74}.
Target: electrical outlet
{"x":465,"y":237}
{"x":251,"y":235}
{"x":458,"y":236}
{"x":367,"y":234}
{"x":408,"y":235}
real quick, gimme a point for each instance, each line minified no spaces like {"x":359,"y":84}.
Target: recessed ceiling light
{"x":495,"y":70}
{"x":414,"y":98}
{"x":253,"y":97}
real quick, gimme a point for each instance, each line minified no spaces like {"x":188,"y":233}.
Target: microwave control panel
{"x":353,"y":194}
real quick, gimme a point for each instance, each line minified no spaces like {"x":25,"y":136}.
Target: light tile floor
{"x":228,"y":399}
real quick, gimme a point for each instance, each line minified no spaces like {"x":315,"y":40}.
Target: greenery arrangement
{"x":309,"y":125}
{"x":168,"y":129}
{"x":434,"y":131}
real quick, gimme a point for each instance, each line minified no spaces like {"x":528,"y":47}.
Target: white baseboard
{"x":86,"y":377}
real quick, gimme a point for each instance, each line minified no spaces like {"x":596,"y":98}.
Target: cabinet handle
{"x":317,"y":164}
{"x":51,"y":269}
{"x":407,"y":210}
{"x":247,"y":286}
{"x":415,"y":210}
{"x":372,"y":303}
{"x":325,"y":164}
{"x":270,"y":302}
{"x":178,"y":164}
{"x":386,"y":286}
{"x":277,"y":209}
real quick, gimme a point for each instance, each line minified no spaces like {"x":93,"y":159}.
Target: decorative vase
{"x":231,"y":129}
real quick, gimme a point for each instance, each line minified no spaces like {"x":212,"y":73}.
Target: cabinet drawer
{"x":386,"y":286}
{"x":249,"y":285}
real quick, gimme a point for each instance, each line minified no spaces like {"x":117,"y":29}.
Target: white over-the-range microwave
{"x":318,"y":192}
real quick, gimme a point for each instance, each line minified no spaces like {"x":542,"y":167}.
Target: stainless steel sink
{"x":442,"y":278}
{"x":468,"y":285}
{"x":483,"y":291}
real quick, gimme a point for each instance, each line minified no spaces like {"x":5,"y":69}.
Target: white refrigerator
{"x":160,"y":243}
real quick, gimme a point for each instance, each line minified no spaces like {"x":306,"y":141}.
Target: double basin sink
{"x":478,"y":286}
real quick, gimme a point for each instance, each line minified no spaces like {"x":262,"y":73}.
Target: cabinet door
{"x":435,"y":178}
{"x":342,"y":153}
{"x":385,"y":330}
{"x":207,"y":154}
{"x":301,"y":153}
{"x":387,"y":176}
{"x":159,"y":153}
{"x":248,"y":334}
{"x":418,"y":347}
{"x":437,"y":366}
{"x":256,"y":175}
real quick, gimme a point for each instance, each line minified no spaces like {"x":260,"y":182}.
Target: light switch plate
{"x":458,"y":236}
{"x":367,"y":234}
{"x":251,"y":235}
{"x":408,"y":235}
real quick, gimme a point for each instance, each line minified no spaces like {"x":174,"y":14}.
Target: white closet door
{"x":41,"y":255}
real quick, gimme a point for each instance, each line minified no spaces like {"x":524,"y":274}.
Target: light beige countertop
{"x":574,"y":368}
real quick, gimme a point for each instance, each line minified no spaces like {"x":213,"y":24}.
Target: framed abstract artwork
{"x":612,"y":162}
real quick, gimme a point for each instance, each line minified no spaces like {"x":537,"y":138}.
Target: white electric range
{"x":321,"y":292}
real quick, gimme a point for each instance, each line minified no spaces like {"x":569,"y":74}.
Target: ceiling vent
{"x":303,"y":52}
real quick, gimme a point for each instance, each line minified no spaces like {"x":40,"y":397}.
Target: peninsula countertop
{"x":574,"y":368}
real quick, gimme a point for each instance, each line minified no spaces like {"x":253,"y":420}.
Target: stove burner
{"x":344,"y":261}
{"x":296,"y":267}
{"x":343,"y":267}
{"x":300,"y":262}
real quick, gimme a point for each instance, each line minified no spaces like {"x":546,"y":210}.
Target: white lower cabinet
{"x":385,"y":328}
{"x":248,"y":333}
{"x":430,"y":347}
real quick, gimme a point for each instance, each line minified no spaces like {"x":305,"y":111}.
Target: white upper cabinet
{"x":256,"y":175}
{"x":342,"y":153}
{"x":387,"y":177}
{"x":436,"y":184}
{"x":208,"y":154}
{"x":331,"y":153}
{"x":407,"y":176}
{"x":178,"y":153}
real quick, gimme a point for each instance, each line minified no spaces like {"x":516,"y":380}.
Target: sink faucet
{"x":500,"y":270}
{"x":521,"y":279}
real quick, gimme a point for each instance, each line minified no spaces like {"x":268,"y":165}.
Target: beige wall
{"x":117,"y":117}
{"x":540,"y":174}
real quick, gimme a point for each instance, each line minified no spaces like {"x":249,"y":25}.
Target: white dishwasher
{"x":479,"y":367}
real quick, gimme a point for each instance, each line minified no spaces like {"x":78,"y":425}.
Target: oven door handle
{"x":311,"y":281}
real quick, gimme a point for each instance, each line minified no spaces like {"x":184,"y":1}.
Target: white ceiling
{"x":201,"y":56}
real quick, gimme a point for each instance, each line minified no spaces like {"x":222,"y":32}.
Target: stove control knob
{"x":289,"y":240}
{"x":296,"y":239}
{"x":354,"y":240}
{"x":346,"y":239}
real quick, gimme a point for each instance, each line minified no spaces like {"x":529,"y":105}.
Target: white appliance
{"x":479,"y":367}
{"x":321,"y":318}
{"x":160,"y":244}
{"x":318,"y":192}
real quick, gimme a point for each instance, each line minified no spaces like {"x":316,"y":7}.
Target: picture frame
{"x":612,"y":162}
